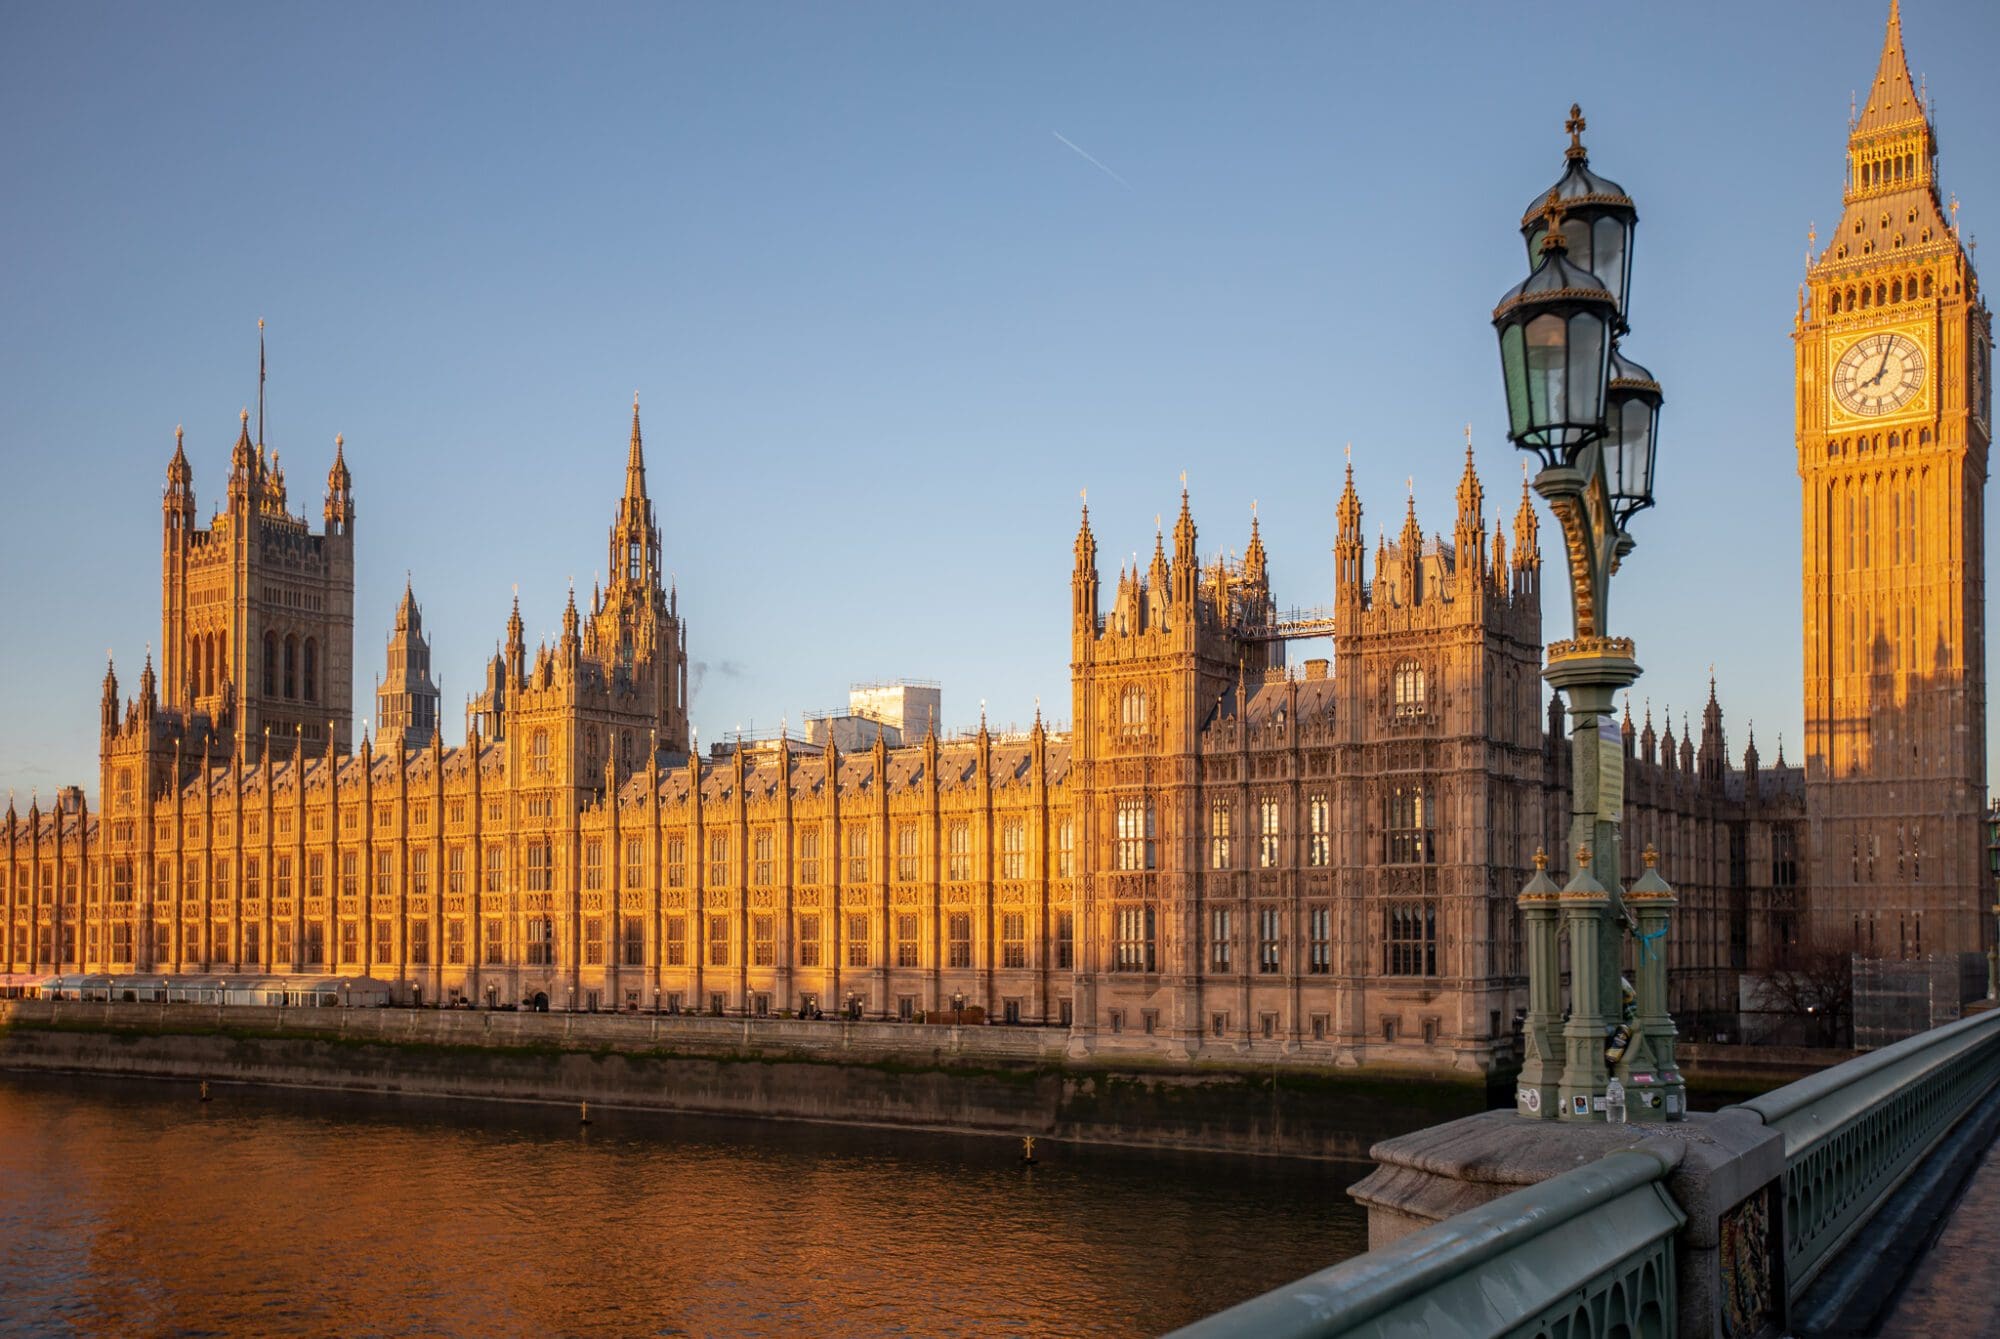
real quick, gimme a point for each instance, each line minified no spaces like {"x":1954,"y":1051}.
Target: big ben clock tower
{"x":1894,"y":407}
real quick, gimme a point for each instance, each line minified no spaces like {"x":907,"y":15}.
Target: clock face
{"x":1878,"y":375}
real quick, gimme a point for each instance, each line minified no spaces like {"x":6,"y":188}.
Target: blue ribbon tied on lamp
{"x":1648,"y":950}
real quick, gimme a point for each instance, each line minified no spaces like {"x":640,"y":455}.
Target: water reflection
{"x":136,"y":1209}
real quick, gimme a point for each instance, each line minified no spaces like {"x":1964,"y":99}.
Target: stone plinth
{"x":1726,"y":1182}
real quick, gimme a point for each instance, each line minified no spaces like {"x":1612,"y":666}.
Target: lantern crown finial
{"x":1575,"y":125}
{"x":1541,"y":860}
{"x":1650,"y":855}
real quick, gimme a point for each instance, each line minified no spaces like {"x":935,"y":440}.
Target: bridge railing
{"x":1590,"y":1252}
{"x":1600,"y":1250}
{"x":1853,"y":1132}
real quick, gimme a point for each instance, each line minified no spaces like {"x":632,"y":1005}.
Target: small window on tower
{"x":632,"y":562}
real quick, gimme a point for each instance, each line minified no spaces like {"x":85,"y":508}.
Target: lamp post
{"x":1591,"y":417}
{"x":957,"y":1008}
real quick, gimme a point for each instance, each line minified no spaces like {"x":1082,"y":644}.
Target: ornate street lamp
{"x":1592,"y":418}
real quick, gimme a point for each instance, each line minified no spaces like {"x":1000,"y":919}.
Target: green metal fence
{"x":1590,"y":1252}
{"x":1853,"y":1132}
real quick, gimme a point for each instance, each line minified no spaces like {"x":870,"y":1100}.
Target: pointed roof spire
{"x":1412,"y":538}
{"x":260,"y":384}
{"x":406,"y":609}
{"x":338,"y":480}
{"x":635,"y":458}
{"x":178,"y":469}
{"x":1086,"y":543}
{"x":1892,"y":99}
{"x":1349,"y":510}
{"x":1893,"y":96}
{"x":1527,"y":527}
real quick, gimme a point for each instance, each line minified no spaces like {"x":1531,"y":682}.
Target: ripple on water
{"x":132,"y":1209}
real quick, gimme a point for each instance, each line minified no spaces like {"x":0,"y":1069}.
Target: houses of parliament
{"x":1225,"y":854}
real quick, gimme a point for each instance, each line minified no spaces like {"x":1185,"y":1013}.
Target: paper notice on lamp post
{"x":1610,"y":771}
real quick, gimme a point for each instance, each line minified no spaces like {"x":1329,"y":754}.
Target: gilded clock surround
{"x":1899,"y":356}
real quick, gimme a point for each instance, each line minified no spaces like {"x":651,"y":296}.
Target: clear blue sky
{"x":884,"y":322}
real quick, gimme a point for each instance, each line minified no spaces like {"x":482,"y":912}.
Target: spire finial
{"x":1575,"y":125}
{"x":1541,"y":860}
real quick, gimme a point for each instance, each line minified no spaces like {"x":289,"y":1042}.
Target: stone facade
{"x":1226,"y":856}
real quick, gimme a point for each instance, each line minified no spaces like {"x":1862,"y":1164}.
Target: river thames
{"x":129,"y":1208}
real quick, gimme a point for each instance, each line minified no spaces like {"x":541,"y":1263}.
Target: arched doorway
{"x":541,"y":1002}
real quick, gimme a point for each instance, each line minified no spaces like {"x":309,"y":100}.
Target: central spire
{"x":1892,"y":99}
{"x":635,"y":459}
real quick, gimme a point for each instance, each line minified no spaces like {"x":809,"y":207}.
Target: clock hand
{"x":1882,"y":369}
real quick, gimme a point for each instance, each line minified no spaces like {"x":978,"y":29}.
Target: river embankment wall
{"x":988,"y":1080}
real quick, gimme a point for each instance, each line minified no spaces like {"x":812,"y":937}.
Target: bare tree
{"x":1807,"y":986}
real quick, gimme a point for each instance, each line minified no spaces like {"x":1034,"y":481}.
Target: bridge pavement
{"x":1952,"y":1290}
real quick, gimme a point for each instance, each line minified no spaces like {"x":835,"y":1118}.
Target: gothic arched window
{"x":311,"y":693}
{"x":1132,"y":709}
{"x":291,"y":666}
{"x":538,"y":752}
{"x":270,"y":664}
{"x":1409,"y":688}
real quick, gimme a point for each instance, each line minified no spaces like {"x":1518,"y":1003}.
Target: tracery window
{"x":1410,"y":939}
{"x":1136,"y":844}
{"x":958,"y":939}
{"x":1267,"y":833}
{"x":763,"y":845}
{"x":808,"y":842}
{"x":1013,"y":849}
{"x":1013,"y":939}
{"x":1319,"y":938}
{"x":1135,"y":946}
{"x":1218,"y":835}
{"x":1408,"y":684}
{"x":1409,"y":825}
{"x":1320,"y":838}
{"x":1132,"y":710}
{"x":958,"y":851}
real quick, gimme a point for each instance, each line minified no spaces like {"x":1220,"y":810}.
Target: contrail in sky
{"x":1092,"y":161}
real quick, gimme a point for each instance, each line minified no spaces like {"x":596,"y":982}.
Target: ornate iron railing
{"x":1853,"y":1132}
{"x":1587,"y":1253}
{"x":1592,"y":1252}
